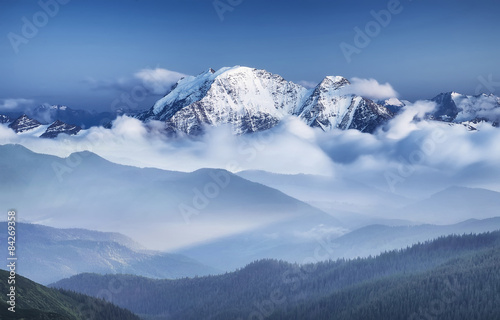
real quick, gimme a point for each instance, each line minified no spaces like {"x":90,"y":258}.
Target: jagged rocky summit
{"x":25,"y":124}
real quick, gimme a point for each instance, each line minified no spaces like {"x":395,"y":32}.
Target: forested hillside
{"x":388,"y":286}
{"x":464,"y":288}
{"x":36,"y":302}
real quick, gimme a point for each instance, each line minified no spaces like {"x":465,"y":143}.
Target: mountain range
{"x":222,"y":220}
{"x":460,"y":108}
{"x":47,"y":114}
{"x":322,"y":243}
{"x":355,"y":203}
{"x":339,"y":196}
{"x":49,"y":254}
{"x":157,"y":208}
{"x":251,"y":100}
{"x":454,"y":277}
{"x":49,"y":121}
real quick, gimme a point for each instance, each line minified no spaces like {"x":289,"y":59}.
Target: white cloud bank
{"x":371,"y":89}
{"x":157,"y":81}
{"x":14,"y":104}
{"x":288,"y":148}
{"x":408,"y":157}
{"x":307,"y":84}
{"x":413,"y":159}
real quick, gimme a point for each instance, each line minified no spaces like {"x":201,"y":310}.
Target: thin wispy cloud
{"x":402,"y":125}
{"x":157,"y":81}
{"x":15,"y":104}
{"x":307,"y":84}
{"x":371,"y":89}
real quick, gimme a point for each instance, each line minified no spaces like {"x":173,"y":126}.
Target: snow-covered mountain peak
{"x":59,"y":127}
{"x":246,"y":76}
{"x":24,"y":123}
{"x":252,"y":100}
{"x":235,"y":70}
{"x":189,"y":90}
{"x":335,"y":82}
{"x":249,"y":99}
{"x":461,"y":108}
{"x":186,"y":91}
{"x":262,"y":91}
{"x":58,"y":107}
{"x":394,"y":102}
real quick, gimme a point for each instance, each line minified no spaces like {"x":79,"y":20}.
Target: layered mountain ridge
{"x":81,"y":250}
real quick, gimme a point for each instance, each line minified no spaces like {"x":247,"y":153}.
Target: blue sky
{"x":89,"y":52}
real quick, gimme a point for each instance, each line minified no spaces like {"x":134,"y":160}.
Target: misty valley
{"x":110,"y":241}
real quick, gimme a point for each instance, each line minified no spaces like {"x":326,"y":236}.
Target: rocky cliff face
{"x":328,"y":108}
{"x":59,"y":127}
{"x":24,"y":123}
